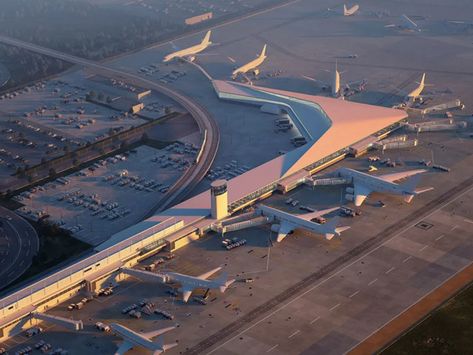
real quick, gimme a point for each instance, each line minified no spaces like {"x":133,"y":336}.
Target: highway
{"x":203,"y":118}
{"x":18,"y":244}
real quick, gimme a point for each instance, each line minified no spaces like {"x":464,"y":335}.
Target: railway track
{"x":328,"y":269}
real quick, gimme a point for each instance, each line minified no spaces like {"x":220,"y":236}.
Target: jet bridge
{"x":63,"y":322}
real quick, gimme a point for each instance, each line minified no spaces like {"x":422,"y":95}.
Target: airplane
{"x":190,"y":52}
{"x":351,"y":11}
{"x":132,"y":339}
{"x":289,"y":222}
{"x":190,"y":283}
{"x":406,"y":24}
{"x":335,"y":87}
{"x":415,"y":94}
{"x":252,"y":65}
{"x":364,"y":184}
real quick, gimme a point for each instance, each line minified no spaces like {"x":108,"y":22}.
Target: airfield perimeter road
{"x":234,"y":328}
{"x":18,"y":245}
{"x":203,"y":118}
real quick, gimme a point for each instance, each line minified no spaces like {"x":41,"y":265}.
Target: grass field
{"x":448,"y":330}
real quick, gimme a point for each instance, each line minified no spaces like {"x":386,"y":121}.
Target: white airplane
{"x":190,"y":283}
{"x":289,"y":222}
{"x":190,"y":52}
{"x":364,"y":184}
{"x":405,"y":24}
{"x":351,"y":11}
{"x":132,"y":339}
{"x":335,"y":86}
{"x":415,"y":94}
{"x":251,"y":66}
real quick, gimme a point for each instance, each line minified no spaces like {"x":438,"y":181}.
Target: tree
{"x":92,"y":94}
{"x":109,"y":100}
{"x":101,"y":96}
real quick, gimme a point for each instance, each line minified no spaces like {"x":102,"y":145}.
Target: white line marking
{"x":467,"y":220}
{"x":334,"y":307}
{"x":354,"y":294}
{"x":453,"y":228}
{"x":423,"y":248}
{"x":407,"y":259}
{"x":440,"y":237}
{"x":390,"y":270}
{"x":294,"y":334}
{"x":372,"y":282}
{"x":272,"y":348}
{"x":288,"y":303}
{"x":314,"y":320}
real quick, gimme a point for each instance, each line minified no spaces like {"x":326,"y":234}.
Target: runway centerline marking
{"x":314,"y":320}
{"x":354,"y":294}
{"x":467,"y":220}
{"x":453,"y":228}
{"x":372,"y":282}
{"x":423,"y":248}
{"x":440,"y":237}
{"x":390,"y":270}
{"x":294,"y":334}
{"x":335,"y":307}
{"x":272,"y":348}
{"x":407,"y":259}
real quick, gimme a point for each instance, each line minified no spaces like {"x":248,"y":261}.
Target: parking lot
{"x":111,"y":194}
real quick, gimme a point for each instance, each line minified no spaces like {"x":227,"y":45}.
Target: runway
{"x":19,"y":243}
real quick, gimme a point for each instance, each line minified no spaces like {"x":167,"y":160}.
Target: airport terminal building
{"x":331,"y":127}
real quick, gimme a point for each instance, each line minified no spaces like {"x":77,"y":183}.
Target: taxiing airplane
{"x":132,"y":339}
{"x":289,"y":222}
{"x":336,"y":87}
{"x":364,"y":184}
{"x":190,"y":52}
{"x":190,"y":283}
{"x":405,"y":24}
{"x":251,"y":66}
{"x":351,"y":11}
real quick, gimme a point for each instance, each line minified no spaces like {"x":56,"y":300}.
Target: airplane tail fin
{"x":422,"y":80}
{"x":160,"y":347}
{"x":206,"y":39}
{"x":263,"y":52}
{"x":331,"y":228}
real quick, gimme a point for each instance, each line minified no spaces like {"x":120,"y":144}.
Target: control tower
{"x":219,"y":199}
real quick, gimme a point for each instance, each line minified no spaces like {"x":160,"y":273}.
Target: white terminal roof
{"x":333,"y":124}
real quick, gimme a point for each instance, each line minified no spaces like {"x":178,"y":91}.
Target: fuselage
{"x":372,"y":182}
{"x":336,"y":83}
{"x":249,"y":66}
{"x":187,"y":51}
{"x":134,"y":337}
{"x":191,"y":281}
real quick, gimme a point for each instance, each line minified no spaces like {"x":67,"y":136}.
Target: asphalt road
{"x":18,"y":244}
{"x":204,"y":120}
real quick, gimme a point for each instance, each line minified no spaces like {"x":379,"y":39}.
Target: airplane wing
{"x":123,"y":348}
{"x":401,"y":175}
{"x":207,"y":274}
{"x":154,"y":333}
{"x":186,"y":292}
{"x":361,"y":192}
{"x":311,"y":215}
{"x":322,"y":83}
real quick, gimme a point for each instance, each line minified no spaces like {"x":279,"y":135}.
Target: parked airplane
{"x":415,"y":94}
{"x":405,"y":24}
{"x":190,"y":283}
{"x":132,"y":339}
{"x":364,"y":184}
{"x":351,"y":11}
{"x":336,"y":88}
{"x":190,"y":52}
{"x":289,"y":222}
{"x":251,"y":66}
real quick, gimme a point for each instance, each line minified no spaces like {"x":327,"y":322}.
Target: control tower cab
{"x":219,"y":199}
